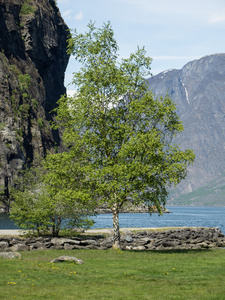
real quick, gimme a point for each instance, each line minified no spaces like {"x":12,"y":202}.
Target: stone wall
{"x":184,"y":238}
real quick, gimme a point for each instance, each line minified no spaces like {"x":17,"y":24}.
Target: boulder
{"x":38,"y":246}
{"x":20,"y":247}
{"x":10,"y":255}
{"x":139,"y":248}
{"x":3,"y":245}
{"x":67,"y":258}
{"x":128,"y":238}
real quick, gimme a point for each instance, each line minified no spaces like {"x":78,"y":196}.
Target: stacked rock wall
{"x":185,"y":238}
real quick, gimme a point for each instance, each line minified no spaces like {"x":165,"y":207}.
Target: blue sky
{"x":173,"y":32}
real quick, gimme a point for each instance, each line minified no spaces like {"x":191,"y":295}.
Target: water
{"x":6,"y":223}
{"x":179,"y":217}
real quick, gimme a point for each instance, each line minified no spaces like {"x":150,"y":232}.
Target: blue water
{"x":179,"y":217}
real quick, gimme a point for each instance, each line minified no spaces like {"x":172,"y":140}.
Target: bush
{"x":35,"y":210}
{"x":27,"y":8}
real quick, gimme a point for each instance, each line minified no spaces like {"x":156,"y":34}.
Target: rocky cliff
{"x":198,"y":89}
{"x":33,"y":60}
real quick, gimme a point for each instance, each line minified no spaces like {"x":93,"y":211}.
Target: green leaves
{"x":46,"y":201}
{"x":118,"y":133}
{"x":124,"y":131}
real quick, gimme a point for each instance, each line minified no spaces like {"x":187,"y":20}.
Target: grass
{"x":115,"y":275}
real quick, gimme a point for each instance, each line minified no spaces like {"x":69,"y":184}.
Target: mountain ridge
{"x":198,"y":90}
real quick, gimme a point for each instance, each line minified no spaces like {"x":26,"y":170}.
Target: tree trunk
{"x":53,"y":226}
{"x":58,"y":224}
{"x":116,"y":227}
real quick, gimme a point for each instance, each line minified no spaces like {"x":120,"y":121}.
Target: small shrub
{"x":40,"y":123}
{"x":8,"y":145}
{"x":24,"y":81}
{"x":27,"y":8}
{"x":14,"y":69}
{"x":2,"y":126}
{"x":34,"y":103}
{"x":24,"y":109}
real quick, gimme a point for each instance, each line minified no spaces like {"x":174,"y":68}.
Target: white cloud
{"x":67,"y":14}
{"x":79,"y":16}
{"x":217,"y":18}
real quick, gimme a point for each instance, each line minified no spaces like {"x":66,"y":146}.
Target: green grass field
{"x":195,"y":274}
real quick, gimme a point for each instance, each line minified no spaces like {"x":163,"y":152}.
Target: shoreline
{"x":16,"y":232}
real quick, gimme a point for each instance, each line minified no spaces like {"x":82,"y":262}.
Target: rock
{"x":67,"y":258}
{"x":127,"y":232}
{"x":68,"y":247}
{"x":38,"y":246}
{"x":185,"y":238}
{"x":10,"y":255}
{"x":198,"y":91}
{"x":139,"y":248}
{"x":106,"y":243}
{"x":58,"y":241}
{"x":144,"y":240}
{"x":20,"y":247}
{"x":88,"y":242}
{"x":74,"y":242}
{"x":171,"y":244}
{"x":33,"y":60}
{"x":3,"y":245}
{"x":128,"y":238}
{"x":128,"y":248}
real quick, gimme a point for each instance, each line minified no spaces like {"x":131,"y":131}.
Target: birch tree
{"x":121,"y":133}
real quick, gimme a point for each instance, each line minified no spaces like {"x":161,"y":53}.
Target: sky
{"x":173,"y":32}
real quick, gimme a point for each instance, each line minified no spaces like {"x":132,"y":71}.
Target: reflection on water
{"x":179,"y":217}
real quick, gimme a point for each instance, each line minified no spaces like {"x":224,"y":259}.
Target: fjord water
{"x":179,"y":216}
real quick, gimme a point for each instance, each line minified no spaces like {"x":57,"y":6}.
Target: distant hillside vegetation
{"x":212,"y":194}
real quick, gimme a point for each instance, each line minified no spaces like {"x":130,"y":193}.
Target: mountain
{"x":198,"y":90}
{"x":33,"y":59}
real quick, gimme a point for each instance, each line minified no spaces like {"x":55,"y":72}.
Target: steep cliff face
{"x":33,"y":60}
{"x":199,"y":92}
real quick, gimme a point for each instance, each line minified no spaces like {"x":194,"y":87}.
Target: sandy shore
{"x":14,"y":232}
{"x":10,"y":232}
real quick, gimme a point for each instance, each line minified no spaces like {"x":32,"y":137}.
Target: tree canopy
{"x":119,"y":135}
{"x":42,"y":204}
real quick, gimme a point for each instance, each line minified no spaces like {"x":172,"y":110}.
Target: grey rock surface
{"x":33,"y":60}
{"x":10,"y":255}
{"x":67,"y":258}
{"x":198,"y":90}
